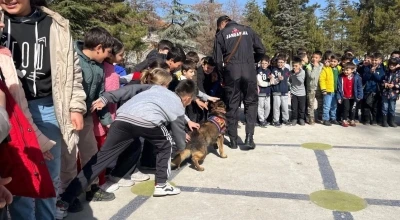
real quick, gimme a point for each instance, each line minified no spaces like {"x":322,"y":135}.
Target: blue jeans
{"x":330,"y":107}
{"x":388,"y":106}
{"x":44,"y":117}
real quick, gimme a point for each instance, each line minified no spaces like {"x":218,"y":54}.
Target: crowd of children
{"x":333,"y":85}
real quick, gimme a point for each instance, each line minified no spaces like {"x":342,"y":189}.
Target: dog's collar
{"x":219,"y":122}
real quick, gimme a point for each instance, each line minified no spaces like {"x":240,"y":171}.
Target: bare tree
{"x":234,"y":10}
{"x":209,"y":13}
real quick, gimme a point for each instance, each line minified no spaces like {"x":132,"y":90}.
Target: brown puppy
{"x":209,"y":133}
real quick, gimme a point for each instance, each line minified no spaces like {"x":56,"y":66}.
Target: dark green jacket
{"x":93,"y":82}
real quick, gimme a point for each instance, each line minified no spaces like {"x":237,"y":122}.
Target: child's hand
{"x":97,"y":105}
{"x":213,"y":99}
{"x":187,"y":138}
{"x":202,"y":105}
{"x":6,"y":197}
{"x":77,"y":120}
{"x":390,"y":86}
{"x":324,"y":93}
{"x":340,"y":101}
{"x":192,"y":125}
{"x":47,"y":155}
{"x":280,"y":78}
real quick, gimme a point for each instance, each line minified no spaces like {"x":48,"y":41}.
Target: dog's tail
{"x":176,"y":162}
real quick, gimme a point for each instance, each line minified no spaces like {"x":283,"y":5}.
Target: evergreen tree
{"x":290,"y":21}
{"x":381,"y":25}
{"x":350,"y":22}
{"x":270,"y":9}
{"x":115,"y":15}
{"x":260,"y":24}
{"x":183,"y":25}
{"x":314,"y":32}
{"x":331,"y":25}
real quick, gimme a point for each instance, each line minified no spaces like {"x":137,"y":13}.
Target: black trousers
{"x":149,"y":153}
{"x":121,"y":135}
{"x":240,"y":78}
{"x":298,"y":104}
{"x":127,"y":161}
{"x":372,"y":105}
{"x":348,"y":112}
{"x":3,"y":213}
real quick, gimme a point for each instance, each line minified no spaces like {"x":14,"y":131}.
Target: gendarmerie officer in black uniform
{"x":237,"y":48}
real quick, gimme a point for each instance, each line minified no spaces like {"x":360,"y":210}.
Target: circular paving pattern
{"x":338,"y":200}
{"x":145,"y":188}
{"x":317,"y":146}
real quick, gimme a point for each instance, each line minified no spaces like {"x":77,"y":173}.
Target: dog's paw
{"x":201,"y":169}
{"x":224,"y":156}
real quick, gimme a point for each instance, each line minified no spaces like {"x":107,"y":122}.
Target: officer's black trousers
{"x":240,"y":78}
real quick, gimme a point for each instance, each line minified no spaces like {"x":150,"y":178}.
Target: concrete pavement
{"x":274,"y":181}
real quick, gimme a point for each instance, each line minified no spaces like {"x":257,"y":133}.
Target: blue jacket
{"x":371,"y":81}
{"x":263,"y":78}
{"x":357,"y":87}
{"x":282,"y":86}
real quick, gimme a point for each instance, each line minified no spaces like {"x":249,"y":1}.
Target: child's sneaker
{"x":75,"y":206}
{"x":165,"y":190}
{"x":287,"y":123}
{"x":122,"y":182}
{"x":327,"y":123}
{"x":302,"y":122}
{"x":294,"y":122}
{"x":140,"y":177}
{"x":352,"y":123}
{"x":97,"y":194}
{"x":345,"y":123}
{"x":277,"y":124}
{"x":264,"y":124}
{"x":334,"y":122}
{"x":110,"y":186}
{"x":61,"y":209}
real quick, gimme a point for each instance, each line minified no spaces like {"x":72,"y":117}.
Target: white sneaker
{"x":110,"y":186}
{"x":61,"y":210}
{"x":122,"y":182}
{"x":140,"y":177}
{"x":165,"y":190}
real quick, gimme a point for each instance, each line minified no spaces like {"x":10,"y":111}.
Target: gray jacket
{"x":312,"y":76}
{"x":296,"y":81}
{"x":151,"y":108}
{"x":4,"y":124}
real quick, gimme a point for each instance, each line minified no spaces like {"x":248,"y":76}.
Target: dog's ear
{"x":213,"y":104}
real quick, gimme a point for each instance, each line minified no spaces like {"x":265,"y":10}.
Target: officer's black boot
{"x":385,"y":121}
{"x":392,"y":121}
{"x":233,"y":142}
{"x":249,"y":142}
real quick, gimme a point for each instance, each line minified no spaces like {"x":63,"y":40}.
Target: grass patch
{"x":317,"y":146}
{"x":338,"y":200}
{"x":145,"y":188}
